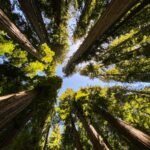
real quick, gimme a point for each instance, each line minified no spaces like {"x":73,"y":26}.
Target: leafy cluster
{"x":122,"y":103}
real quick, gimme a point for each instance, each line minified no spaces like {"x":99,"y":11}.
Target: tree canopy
{"x":35,"y":38}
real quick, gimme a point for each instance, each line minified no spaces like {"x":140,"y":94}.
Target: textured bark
{"x":46,"y":138}
{"x":9,"y":27}
{"x":76,"y":136}
{"x":95,"y":138}
{"x":12,"y":105}
{"x":33,"y":13}
{"x":56,"y":6}
{"x":10,"y":131}
{"x":137,"y":137}
{"x":113,"y":13}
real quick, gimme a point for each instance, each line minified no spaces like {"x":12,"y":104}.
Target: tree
{"x":67,"y":106}
{"x":55,"y":139}
{"x":76,"y":138}
{"x":41,"y":108}
{"x":13,"y":104}
{"x":8,"y":26}
{"x":94,"y":137}
{"x":99,"y":29}
{"x":140,"y":139}
{"x":121,"y":103}
{"x":33,"y":13}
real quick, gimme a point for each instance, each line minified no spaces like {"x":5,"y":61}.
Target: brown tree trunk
{"x":95,"y":138}
{"x":46,"y":138}
{"x":33,"y":13}
{"x":76,"y":136}
{"x":12,"y":105}
{"x":56,"y":6}
{"x":10,"y":131}
{"x":9,"y":27}
{"x":115,"y":10}
{"x":137,"y":137}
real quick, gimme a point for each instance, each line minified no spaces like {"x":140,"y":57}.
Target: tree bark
{"x":33,"y":13}
{"x":76,"y":136}
{"x":9,"y":27}
{"x":11,"y":105}
{"x":113,"y":13}
{"x":137,"y":137}
{"x":56,"y":6}
{"x":10,"y":131}
{"x":95,"y":138}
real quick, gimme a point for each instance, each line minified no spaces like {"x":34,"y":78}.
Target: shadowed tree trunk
{"x":9,"y":27}
{"x":33,"y":13}
{"x":11,"y":130}
{"x":76,"y":136}
{"x":46,"y":138}
{"x":94,"y":137}
{"x":56,"y":6}
{"x":11,"y":105}
{"x":137,"y":137}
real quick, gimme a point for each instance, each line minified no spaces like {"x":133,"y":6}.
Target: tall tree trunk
{"x":137,"y":137}
{"x":76,"y":136}
{"x":47,"y":129}
{"x":95,"y":138}
{"x":113,"y":13}
{"x":33,"y":13}
{"x":99,"y":131}
{"x":11,"y":130}
{"x":8,"y":26}
{"x":56,"y":6}
{"x":46,"y":137}
{"x":12,"y":105}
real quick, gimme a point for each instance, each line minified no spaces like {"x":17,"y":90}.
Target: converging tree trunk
{"x":9,"y":27}
{"x":57,"y":6}
{"x":33,"y":13}
{"x":95,"y":138}
{"x":137,"y":137}
{"x":11,"y":105}
{"x":113,"y":13}
{"x":11,"y":130}
{"x":76,"y":136}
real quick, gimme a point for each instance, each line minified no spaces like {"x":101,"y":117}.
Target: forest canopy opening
{"x":38,"y":108}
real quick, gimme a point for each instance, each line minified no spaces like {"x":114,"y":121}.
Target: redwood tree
{"x":94,"y":137}
{"x":9,"y":27}
{"x":138,"y":138}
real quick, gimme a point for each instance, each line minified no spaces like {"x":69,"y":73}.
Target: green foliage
{"x":65,"y":107}
{"x":126,"y":59}
{"x":33,"y":68}
{"x":125,"y":40}
{"x":120,"y":102}
{"x":121,"y":54}
{"x":47,"y":53}
{"x":19,"y":58}
{"x":55,"y":139}
{"x":91,"y":11}
{"x":6,"y":48}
